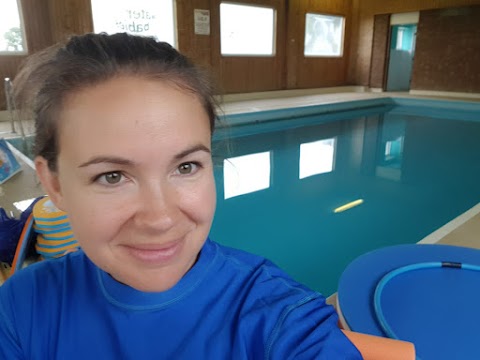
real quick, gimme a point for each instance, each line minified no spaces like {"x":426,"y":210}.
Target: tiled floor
{"x":464,"y":230}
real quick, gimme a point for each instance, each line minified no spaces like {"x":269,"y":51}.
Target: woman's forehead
{"x":127,"y":86}
{"x":130,"y":96}
{"x":132,"y":110}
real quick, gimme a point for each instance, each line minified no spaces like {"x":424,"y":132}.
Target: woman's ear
{"x":50,"y":181}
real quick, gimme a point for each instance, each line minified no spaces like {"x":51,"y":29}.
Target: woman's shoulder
{"x":47,"y":274}
{"x":243,"y":261}
{"x":261,"y":273}
{"x":289,"y":317}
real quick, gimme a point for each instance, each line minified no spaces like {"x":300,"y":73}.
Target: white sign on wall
{"x":138,"y":17}
{"x":202,"y":22}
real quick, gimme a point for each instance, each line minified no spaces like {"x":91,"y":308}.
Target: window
{"x":317,"y":157}
{"x":405,"y":37}
{"x":12,"y":34}
{"x":394,"y":149}
{"x":400,"y":38}
{"x":324,"y":35}
{"x":138,"y":17}
{"x":246,"y":174}
{"x":247,"y":30}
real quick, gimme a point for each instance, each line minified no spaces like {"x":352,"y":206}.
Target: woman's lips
{"x":157,"y":254}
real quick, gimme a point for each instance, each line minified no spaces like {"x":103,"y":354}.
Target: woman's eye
{"x":111,"y":178}
{"x":187,"y":168}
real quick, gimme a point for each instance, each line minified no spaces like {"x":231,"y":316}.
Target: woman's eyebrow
{"x":191,"y":150}
{"x":125,"y":162}
{"x":106,"y":159}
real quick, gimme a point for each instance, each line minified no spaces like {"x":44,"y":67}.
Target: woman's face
{"x":135,"y":177}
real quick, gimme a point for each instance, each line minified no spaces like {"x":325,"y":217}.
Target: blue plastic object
{"x":410,"y":293}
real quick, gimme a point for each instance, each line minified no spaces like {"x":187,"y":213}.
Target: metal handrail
{"x":8,"y":92}
{"x":12,"y":108}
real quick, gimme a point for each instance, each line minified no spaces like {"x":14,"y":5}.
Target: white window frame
{"x":342,"y":40}
{"x":24,"y":37}
{"x":274,"y":30}
{"x":174,"y":20}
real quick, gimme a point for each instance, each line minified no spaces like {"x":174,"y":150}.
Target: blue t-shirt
{"x":230,"y":305}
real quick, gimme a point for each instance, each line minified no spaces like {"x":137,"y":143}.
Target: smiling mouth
{"x":155,"y":254}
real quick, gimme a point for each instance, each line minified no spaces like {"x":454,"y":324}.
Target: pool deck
{"x":462,"y":231}
{"x":273,"y":100}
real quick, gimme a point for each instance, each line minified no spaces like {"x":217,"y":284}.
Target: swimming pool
{"x":408,"y":168}
{"x":388,"y":172}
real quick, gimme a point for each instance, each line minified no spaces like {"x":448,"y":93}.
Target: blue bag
{"x":10,"y":230}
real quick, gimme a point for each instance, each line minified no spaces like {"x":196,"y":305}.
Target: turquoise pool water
{"x":414,"y":173}
{"x":405,"y":167}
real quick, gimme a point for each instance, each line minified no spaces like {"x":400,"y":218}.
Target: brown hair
{"x":49,"y":76}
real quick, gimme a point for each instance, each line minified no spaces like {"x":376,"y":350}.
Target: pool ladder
{"x":12,"y":109}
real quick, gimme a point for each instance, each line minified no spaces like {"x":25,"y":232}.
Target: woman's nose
{"x":157,"y":209}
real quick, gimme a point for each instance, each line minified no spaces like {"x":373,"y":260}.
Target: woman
{"x":124,"y":129}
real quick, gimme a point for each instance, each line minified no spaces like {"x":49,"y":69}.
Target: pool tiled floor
{"x":467,"y":234}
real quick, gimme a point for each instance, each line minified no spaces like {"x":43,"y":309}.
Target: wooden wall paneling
{"x":353,"y":47}
{"x":239,"y":74}
{"x":36,"y":19}
{"x":70,"y":17}
{"x":197,"y":47}
{"x":215,"y":57}
{"x":310,"y":72}
{"x":47,"y":22}
{"x":294,"y":27}
{"x":8,"y":69}
{"x":37,"y":32}
{"x":347,"y":9}
{"x":378,"y":68}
